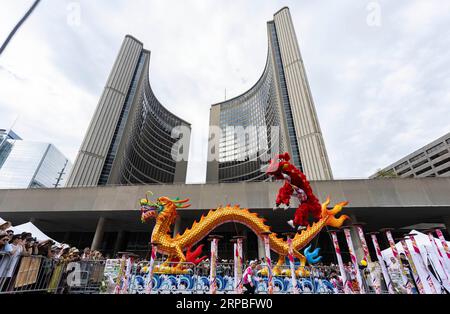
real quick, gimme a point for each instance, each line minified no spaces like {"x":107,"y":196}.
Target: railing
{"x":38,"y":274}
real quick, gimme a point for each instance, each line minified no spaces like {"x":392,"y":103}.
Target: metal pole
{"x":18,"y":25}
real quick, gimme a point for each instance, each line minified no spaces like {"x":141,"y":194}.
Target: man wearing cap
{"x":248,"y":278}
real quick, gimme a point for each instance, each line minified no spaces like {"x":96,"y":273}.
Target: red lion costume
{"x":295,"y":184}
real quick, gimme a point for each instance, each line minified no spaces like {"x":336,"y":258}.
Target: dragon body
{"x":164,"y":211}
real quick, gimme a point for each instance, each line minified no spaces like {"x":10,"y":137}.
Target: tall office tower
{"x":7,"y":139}
{"x":26,"y":164}
{"x":281,"y":98}
{"x":432,"y":160}
{"x":129,"y":140}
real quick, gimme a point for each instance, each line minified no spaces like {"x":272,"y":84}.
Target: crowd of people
{"x":14,"y":246}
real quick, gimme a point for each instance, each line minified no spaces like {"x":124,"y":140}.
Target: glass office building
{"x":33,"y":165}
{"x":277,"y":114}
{"x":7,"y":139}
{"x":129,"y":140}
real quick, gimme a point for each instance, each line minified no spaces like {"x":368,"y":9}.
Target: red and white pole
{"x":150,"y":268}
{"x":269,"y":262}
{"x":413,"y":267}
{"x":384,"y":270}
{"x":212,"y":265}
{"x":422,"y":269}
{"x":291,"y":265}
{"x":444,"y":244}
{"x":391,"y":241}
{"x":345,"y":281}
{"x":439,"y":256}
{"x":351,"y":249}
{"x":362,"y":238}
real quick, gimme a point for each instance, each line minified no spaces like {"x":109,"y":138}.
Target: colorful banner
{"x":240,"y":284}
{"x":373,"y":278}
{"x":391,"y":241}
{"x":439,"y":256}
{"x":422,"y":269}
{"x":213,"y":264}
{"x":292,"y":266}
{"x":120,"y":276}
{"x":345,"y":281}
{"x":445,"y":246}
{"x":149,"y":281}
{"x":413,"y":267}
{"x":384,"y":270}
{"x":269,"y":264}
{"x":351,"y":249}
{"x":127,"y":276}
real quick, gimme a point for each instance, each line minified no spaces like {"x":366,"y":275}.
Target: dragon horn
{"x":146,"y":195}
{"x":176,"y":201}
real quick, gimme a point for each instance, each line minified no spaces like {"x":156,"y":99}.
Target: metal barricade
{"x":27,"y":274}
{"x":178,"y":278}
{"x":224,"y":278}
{"x":309,"y":280}
{"x":84,"y":276}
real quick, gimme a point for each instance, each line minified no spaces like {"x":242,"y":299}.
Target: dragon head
{"x":151,"y":210}
{"x":279,"y":165}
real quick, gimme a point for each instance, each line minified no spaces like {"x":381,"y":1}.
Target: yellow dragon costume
{"x":164,"y":210}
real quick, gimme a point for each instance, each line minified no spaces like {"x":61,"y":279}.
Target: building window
{"x":445,"y":151}
{"x":402,"y":165}
{"x":435,"y":148}
{"x":423,"y":171}
{"x":440,"y":163}
{"x":404,"y":171}
{"x":441,"y":172}
{"x":417,"y":157}
{"x":420,"y":163}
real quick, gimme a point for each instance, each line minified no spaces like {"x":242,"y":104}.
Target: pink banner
{"x":362,"y":238}
{"x":413,"y":267}
{"x":384,"y":270}
{"x":390,"y":239}
{"x":351,"y":249}
{"x":292,"y":266}
{"x":150,"y":269}
{"x":212,"y":266}
{"x":345,"y":281}
{"x":422,"y":269}
{"x":439,"y":256}
{"x":443,"y":242}
{"x":240,"y":262}
{"x":269,"y":264}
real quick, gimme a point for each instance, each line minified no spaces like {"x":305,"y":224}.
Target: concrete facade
{"x":432,"y":160}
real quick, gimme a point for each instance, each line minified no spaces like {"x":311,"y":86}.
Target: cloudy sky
{"x":379,"y":70}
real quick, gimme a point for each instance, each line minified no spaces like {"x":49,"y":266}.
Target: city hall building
{"x":129,"y":139}
{"x":281,"y":98}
